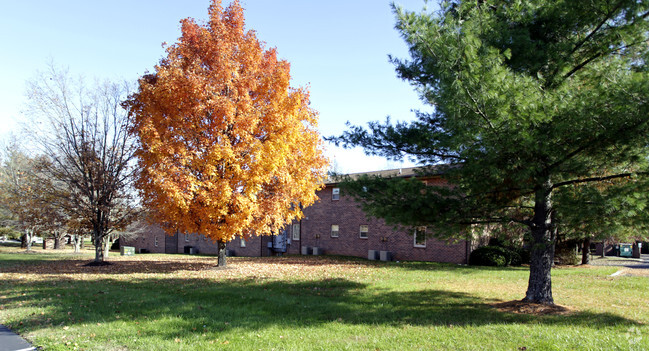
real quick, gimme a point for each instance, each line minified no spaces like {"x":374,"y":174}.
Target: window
{"x":296,"y":231}
{"x":363,"y":232}
{"x":335,"y":194}
{"x":420,"y":237}
{"x":187,"y":237}
{"x":155,"y":241}
{"x":334,"y":230}
{"x":243,"y":242}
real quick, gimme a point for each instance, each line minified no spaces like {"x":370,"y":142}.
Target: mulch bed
{"x":537,"y":309}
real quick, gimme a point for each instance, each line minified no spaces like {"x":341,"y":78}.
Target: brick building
{"x":335,"y":225}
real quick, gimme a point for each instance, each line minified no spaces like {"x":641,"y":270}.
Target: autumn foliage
{"x":228,"y":147}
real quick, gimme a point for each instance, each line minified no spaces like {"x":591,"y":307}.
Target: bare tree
{"x":84,"y":132}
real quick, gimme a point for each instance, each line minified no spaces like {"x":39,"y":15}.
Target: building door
{"x":171,"y":243}
{"x":279,"y":241}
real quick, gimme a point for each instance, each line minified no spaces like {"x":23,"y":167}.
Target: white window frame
{"x":337,"y":231}
{"x":364,"y":228}
{"x":420,"y":229}
{"x":335,"y":194}
{"x":186,"y":237}
{"x":242,"y":243}
{"x":296,"y":232}
{"x":155,"y":240}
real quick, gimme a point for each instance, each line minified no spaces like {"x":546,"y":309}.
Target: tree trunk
{"x":99,"y":248}
{"x":585,"y":251}
{"x":222,"y":258}
{"x":539,"y":288}
{"x":23,"y":241}
{"x":28,"y":238}
{"x":57,"y":242}
{"x":108,"y":243}
{"x":76,"y":241}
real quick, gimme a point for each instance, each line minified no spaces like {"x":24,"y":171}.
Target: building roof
{"x":392,"y":173}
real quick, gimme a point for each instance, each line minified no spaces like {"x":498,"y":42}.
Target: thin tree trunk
{"x":539,"y":288}
{"x":222,"y":258}
{"x":108,"y":243}
{"x":76,"y":241}
{"x":585,"y":251}
{"x":99,"y":248}
{"x":57,"y":242}
{"x":29,"y":237}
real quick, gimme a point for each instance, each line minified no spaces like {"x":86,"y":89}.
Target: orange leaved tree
{"x":227,"y":147}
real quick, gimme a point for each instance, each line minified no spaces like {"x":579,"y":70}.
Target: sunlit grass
{"x":178,"y":302}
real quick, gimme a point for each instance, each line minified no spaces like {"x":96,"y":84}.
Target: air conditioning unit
{"x":372,"y":255}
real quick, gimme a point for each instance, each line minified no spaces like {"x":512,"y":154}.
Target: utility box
{"x":317,"y":251}
{"x":190,"y":250}
{"x":306,"y":250}
{"x":372,"y":255}
{"x":385,"y":256}
{"x":127,"y":250}
{"x":626,"y":250}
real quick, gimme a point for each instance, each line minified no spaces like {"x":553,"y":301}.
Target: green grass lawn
{"x":178,"y":302}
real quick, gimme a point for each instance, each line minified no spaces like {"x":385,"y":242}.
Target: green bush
{"x":514,"y":258}
{"x":566,"y":255}
{"x":489,"y":256}
{"x":524,"y":254}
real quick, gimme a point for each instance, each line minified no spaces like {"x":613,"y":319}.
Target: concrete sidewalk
{"x":638,"y":263}
{"x":10,"y":341}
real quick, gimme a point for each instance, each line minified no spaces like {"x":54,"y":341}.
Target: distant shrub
{"x":566,"y":254}
{"x":515,"y":258}
{"x":525,"y":254}
{"x":9,"y":233}
{"x":489,"y":256}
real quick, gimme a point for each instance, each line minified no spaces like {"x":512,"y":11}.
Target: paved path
{"x":10,"y":341}
{"x":644,"y":262}
{"x":639,"y":263}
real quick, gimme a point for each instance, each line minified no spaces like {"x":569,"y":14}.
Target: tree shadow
{"x":180,"y":306}
{"x":76,"y":266}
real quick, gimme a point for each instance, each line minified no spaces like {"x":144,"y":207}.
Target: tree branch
{"x":597,"y":179}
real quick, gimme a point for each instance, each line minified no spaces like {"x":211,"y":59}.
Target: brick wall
{"x":254,"y":246}
{"x":315,"y":231}
{"x":152,"y":239}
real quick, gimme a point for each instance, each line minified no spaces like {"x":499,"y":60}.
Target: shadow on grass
{"x":54,"y":265}
{"x":177,"y":307}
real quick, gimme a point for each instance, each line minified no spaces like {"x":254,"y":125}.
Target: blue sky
{"x":338,"y":48}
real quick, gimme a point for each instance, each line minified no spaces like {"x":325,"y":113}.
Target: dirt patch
{"x":537,"y":309}
{"x":98,"y":264}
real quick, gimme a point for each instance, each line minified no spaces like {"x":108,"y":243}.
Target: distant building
{"x":335,"y":225}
